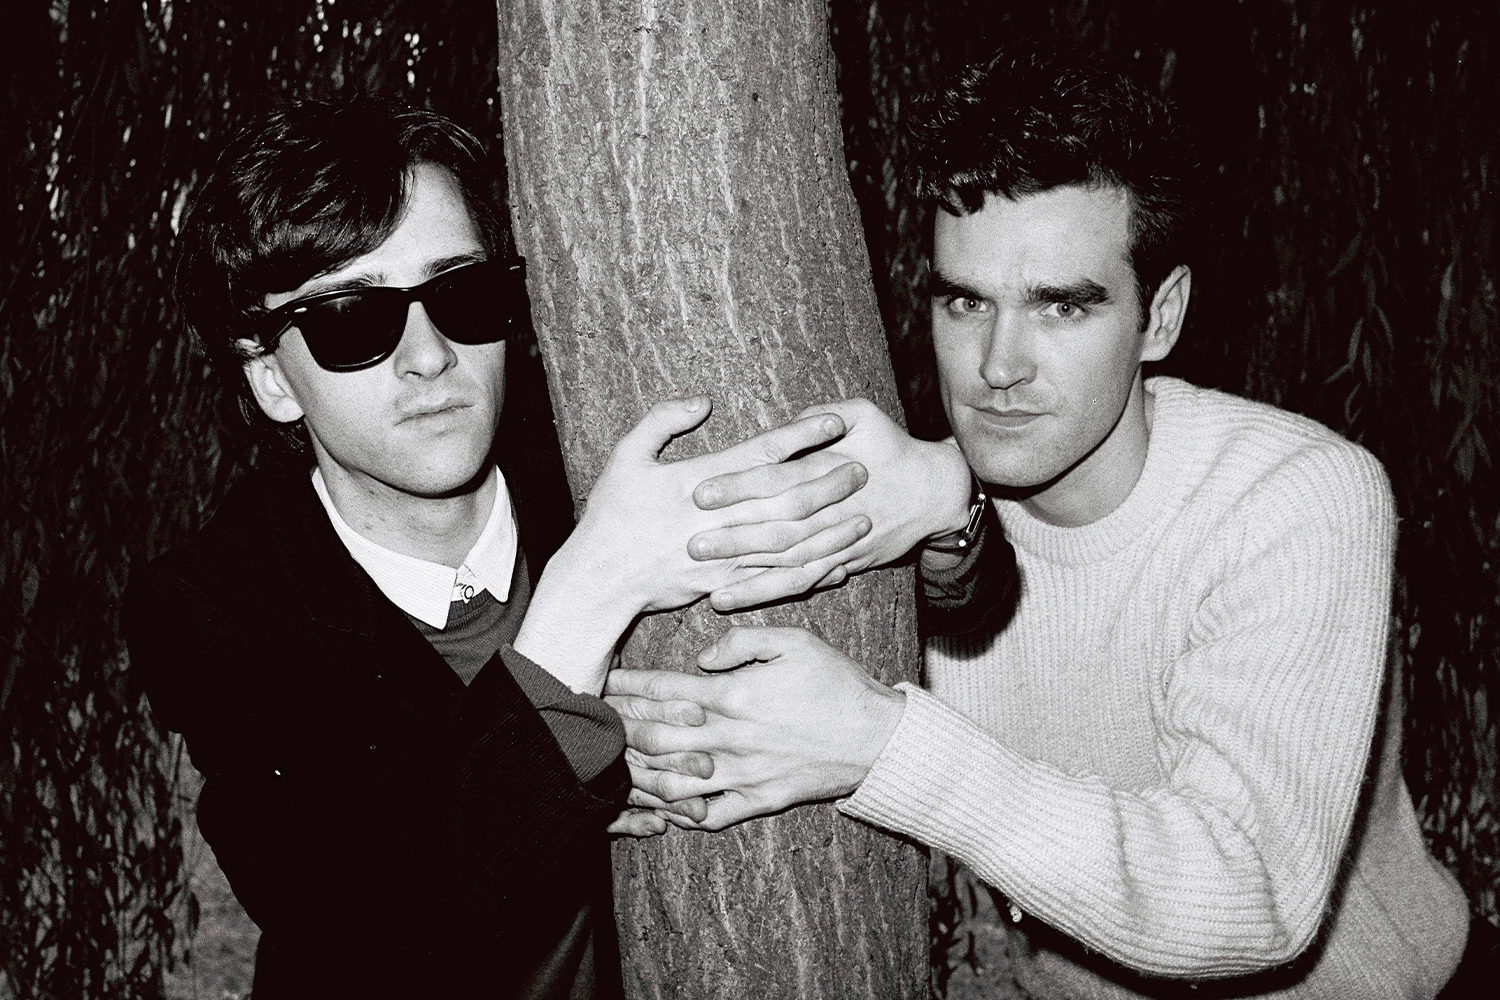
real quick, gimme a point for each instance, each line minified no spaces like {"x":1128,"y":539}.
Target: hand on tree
{"x":916,"y":490}
{"x":786,"y":719}
{"x":629,"y":552}
{"x":648,"y":815}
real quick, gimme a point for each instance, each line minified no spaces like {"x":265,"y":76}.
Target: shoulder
{"x":1246,"y":451}
{"x":236,"y":550}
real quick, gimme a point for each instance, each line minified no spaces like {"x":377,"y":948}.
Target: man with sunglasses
{"x":407,"y":768}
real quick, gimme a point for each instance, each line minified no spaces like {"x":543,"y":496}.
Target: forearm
{"x":575,"y":620}
{"x":1216,"y":852}
{"x":1160,"y":881}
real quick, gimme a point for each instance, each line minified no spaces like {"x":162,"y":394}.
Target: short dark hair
{"x":300,"y":191}
{"x":1021,"y":124}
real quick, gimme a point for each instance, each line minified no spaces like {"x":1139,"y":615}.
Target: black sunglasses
{"x":353,"y":328}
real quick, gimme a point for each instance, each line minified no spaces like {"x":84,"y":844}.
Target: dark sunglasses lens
{"x":467,"y":304}
{"x":354,"y":330}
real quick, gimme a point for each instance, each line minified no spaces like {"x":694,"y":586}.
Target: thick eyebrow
{"x":437,"y":267}
{"x":431,"y":270}
{"x":1080,"y":293}
{"x":940,"y":286}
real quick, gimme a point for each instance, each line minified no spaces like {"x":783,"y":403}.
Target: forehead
{"x":1063,"y":233}
{"x":435,"y":230}
{"x":435,"y":223}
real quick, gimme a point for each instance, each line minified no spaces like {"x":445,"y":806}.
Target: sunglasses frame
{"x":284,"y":317}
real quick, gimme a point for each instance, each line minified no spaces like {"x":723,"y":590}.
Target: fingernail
{"x":707,"y":656}
{"x":694,"y":404}
{"x":709,"y":494}
{"x":832,"y":425}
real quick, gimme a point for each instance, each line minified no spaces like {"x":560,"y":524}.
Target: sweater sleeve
{"x":979,"y":594}
{"x":1266,"y":709}
{"x":589,"y":732}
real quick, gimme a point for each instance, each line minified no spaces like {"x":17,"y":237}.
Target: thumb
{"x":664,"y":421}
{"x":743,"y":644}
{"x":851,"y":411}
{"x":730,"y":808}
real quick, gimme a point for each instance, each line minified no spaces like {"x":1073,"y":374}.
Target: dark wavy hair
{"x":1021,"y":124}
{"x":298,"y":192}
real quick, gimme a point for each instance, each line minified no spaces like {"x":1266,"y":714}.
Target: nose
{"x":423,"y":351}
{"x":1010,"y":359}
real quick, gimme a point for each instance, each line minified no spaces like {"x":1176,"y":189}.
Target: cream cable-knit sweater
{"x":1163,"y":754}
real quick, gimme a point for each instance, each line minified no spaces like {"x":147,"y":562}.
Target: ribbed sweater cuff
{"x":589,"y":732}
{"x":930,"y":752}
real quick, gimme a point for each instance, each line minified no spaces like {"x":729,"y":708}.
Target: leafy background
{"x":1349,"y":274}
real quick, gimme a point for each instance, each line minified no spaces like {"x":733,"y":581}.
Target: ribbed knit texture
{"x":1162,"y":756}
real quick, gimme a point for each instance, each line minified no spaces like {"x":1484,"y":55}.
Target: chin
{"x":447,"y":479}
{"x":994,"y":469}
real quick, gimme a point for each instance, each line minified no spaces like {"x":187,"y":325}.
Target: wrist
{"x":883,"y":714}
{"x":572,"y":627}
{"x":957,"y":541}
{"x":951,"y":491}
{"x":939,"y":561}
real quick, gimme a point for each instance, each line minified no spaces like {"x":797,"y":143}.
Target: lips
{"x":1006,"y":418}
{"x":428,"y":408}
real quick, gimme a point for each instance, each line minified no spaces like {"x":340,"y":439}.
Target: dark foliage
{"x":1350,"y":275}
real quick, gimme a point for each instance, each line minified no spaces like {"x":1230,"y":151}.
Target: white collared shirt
{"x":425,"y":589}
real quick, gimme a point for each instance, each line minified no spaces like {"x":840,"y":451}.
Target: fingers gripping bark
{"x":629,"y":552}
{"x":916,"y":490}
{"x":787,"y":719}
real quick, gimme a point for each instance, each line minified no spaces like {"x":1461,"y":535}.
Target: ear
{"x":269,"y":386}
{"x":1168,"y":311}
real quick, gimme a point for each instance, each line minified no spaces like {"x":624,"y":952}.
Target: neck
{"x":438,"y":529}
{"x":1100,"y":481}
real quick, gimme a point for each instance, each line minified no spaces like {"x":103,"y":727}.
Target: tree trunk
{"x":678,"y":186}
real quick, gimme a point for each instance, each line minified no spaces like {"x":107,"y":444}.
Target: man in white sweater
{"x":1173,"y":750}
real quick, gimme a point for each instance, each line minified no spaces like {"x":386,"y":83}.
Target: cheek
{"x":1108,"y":375}
{"x":958,"y":359}
{"x":487,"y":367}
{"x":345,"y":407}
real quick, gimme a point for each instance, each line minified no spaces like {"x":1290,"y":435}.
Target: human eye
{"x":1068,"y":312}
{"x":964,"y":305}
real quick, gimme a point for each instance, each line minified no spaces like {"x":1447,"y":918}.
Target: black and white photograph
{"x":750,"y":500}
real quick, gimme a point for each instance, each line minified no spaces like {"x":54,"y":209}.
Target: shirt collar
{"x":425,"y":589}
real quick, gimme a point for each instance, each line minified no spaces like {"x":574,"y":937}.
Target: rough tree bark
{"x":678,"y":186}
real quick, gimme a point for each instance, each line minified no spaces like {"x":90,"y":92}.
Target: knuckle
{"x":671,"y":787}
{"x":628,"y":707}
{"x":781,"y":537}
{"x":736,"y":701}
{"x":646,"y":737}
{"x":651,"y":782}
{"x":651,"y":688}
